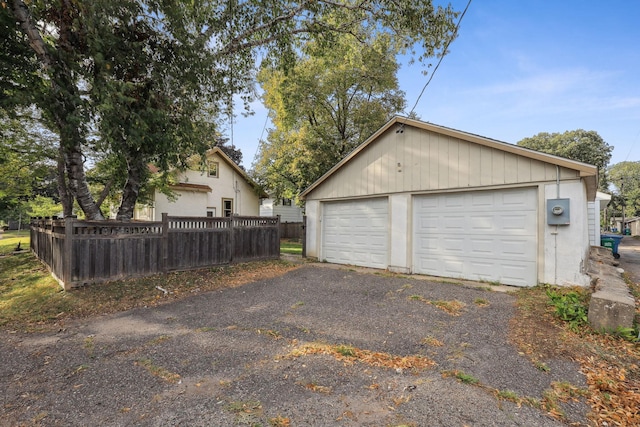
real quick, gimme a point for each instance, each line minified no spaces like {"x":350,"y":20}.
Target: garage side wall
{"x":312,"y":208}
{"x":567,"y":245}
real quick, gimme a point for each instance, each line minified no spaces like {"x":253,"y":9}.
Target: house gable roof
{"x":222,"y":155}
{"x":588,"y":172}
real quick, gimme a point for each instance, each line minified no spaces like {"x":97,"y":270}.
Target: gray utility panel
{"x":558,"y":211}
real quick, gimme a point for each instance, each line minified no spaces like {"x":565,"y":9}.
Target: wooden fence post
{"x":165,"y":242}
{"x":304,"y":236}
{"x":231,"y":239}
{"x":67,"y":263}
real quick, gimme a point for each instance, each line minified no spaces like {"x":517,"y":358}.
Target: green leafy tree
{"x":27,"y":163}
{"x":334,"y":98}
{"x":137,"y":91}
{"x":41,"y":206}
{"x":625,"y":182}
{"x":230,"y":150}
{"x":580,"y":145}
{"x":152,"y":77}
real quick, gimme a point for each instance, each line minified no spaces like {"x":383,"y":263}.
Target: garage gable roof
{"x":589,"y":172}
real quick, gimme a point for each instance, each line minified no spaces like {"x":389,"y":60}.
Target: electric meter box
{"x":558,"y":211}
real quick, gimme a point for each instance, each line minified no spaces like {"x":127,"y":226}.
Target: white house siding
{"x":593,"y":210}
{"x":230,"y":184}
{"x":189,"y":203}
{"x":426,"y":160}
{"x":291,"y":213}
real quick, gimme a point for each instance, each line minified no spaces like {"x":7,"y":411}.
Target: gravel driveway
{"x":229,"y":358}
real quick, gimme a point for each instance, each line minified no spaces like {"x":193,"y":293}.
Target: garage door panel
{"x":482,"y":200}
{"x":514,"y":200}
{"x":491,"y":235}
{"x":428,"y":224}
{"x":480,"y":223}
{"x":514,"y":274}
{"x":356,"y":232}
{"x":511,"y":249}
{"x":520,"y":221}
{"x":453,"y":201}
{"x":425,"y":204}
{"x":453,"y":223}
{"x":483,"y":246}
{"x":454,"y":266}
{"x":428,"y":244}
{"x":452,"y":245}
{"x":482,"y":268}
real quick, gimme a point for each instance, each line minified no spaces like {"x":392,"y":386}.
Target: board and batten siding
{"x":421,"y":160}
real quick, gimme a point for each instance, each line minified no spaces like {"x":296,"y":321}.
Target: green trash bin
{"x":607,"y":242}
{"x":611,"y":241}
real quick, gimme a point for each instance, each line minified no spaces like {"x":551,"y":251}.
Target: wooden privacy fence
{"x":79,"y":252}
{"x":291,"y":230}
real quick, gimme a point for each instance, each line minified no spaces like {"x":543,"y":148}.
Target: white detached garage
{"x":425,"y":199}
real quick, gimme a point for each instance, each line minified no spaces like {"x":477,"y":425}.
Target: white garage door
{"x":481,"y":235}
{"x":355,"y":232}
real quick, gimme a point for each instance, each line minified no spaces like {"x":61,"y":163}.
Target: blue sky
{"x":522,"y":67}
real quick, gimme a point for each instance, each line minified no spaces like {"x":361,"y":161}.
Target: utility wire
{"x":260,"y":143}
{"x":632,"y":146}
{"x":446,"y":47}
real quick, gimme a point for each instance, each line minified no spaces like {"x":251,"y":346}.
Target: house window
{"x":227,"y":207}
{"x":214,"y":169}
{"x":286,"y":202}
{"x":211,"y":212}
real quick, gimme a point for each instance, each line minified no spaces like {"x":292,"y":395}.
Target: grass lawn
{"x":28,"y":293}
{"x":30,"y":299}
{"x":288,"y":246}
{"x":10,"y":239}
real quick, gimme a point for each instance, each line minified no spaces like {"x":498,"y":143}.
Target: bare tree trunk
{"x":136,"y":169}
{"x":65,"y":198}
{"x":62,"y":110}
{"x":78,"y":181}
{"x":104,"y":193}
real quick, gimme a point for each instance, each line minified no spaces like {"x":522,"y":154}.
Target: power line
{"x":633,"y":143}
{"x":446,"y":47}
{"x":255,"y":156}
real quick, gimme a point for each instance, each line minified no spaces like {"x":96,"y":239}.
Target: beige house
{"x":426,"y":199}
{"x":222,"y":189}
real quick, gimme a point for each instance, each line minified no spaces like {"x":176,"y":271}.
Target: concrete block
{"x":611,"y":309}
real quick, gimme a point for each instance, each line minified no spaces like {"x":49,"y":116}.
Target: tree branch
{"x":23,"y":15}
